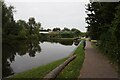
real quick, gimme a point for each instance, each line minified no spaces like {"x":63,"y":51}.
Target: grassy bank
{"x":73,"y":69}
{"x":39,"y":72}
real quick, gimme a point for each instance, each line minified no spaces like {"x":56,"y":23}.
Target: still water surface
{"x":49,"y":52}
{"x":30,"y":55}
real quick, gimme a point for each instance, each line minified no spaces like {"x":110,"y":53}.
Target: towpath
{"x":96,"y":65}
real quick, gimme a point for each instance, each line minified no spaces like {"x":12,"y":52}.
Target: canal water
{"x":19,"y":56}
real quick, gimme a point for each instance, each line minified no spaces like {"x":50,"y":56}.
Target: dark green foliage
{"x":66,"y":41}
{"x":76,"y":31}
{"x":104,"y":25}
{"x":100,"y":15}
{"x":9,"y":26}
{"x":48,"y":29}
{"x":56,"y":29}
{"x":14,"y":47}
{"x":23,"y":33}
{"x":66,"y":34}
{"x":20,"y":29}
{"x":66,"y":29}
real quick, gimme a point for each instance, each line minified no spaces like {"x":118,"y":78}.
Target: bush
{"x":66,"y":34}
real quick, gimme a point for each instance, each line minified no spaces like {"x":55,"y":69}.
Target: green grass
{"x":73,"y":69}
{"x":94,"y":41}
{"x":94,"y":45}
{"x":39,"y":72}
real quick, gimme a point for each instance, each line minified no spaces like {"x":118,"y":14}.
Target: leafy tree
{"x":103,"y":25}
{"x":23,"y":24}
{"x":9,"y":26}
{"x":48,"y":29}
{"x":24,"y":29}
{"x":31,"y":24}
{"x":56,"y":29}
{"x":37,"y":29}
{"x":19,"y":29}
{"x":66,"y":29}
{"x":76,"y":31}
{"x":34,"y":28}
{"x":66,"y":34}
{"x":99,"y":15}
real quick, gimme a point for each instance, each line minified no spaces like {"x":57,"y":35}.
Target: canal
{"x":19,"y":56}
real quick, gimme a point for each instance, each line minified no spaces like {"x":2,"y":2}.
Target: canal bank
{"x":41,"y":71}
{"x":23,"y":55}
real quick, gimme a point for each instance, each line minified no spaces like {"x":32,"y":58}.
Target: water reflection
{"x":11,"y":49}
{"x":76,"y":42}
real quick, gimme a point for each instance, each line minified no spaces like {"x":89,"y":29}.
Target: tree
{"x":66,"y":34}
{"x":34,"y":28}
{"x":23,"y":27}
{"x":9,"y":27}
{"x":23,"y":24}
{"x":38,"y":25}
{"x":103,"y":24}
{"x":37,"y":29}
{"x":48,"y":29}
{"x":66,"y":29}
{"x":31,"y":24}
{"x":56,"y":29}
{"x":76,"y":31}
{"x":99,"y":15}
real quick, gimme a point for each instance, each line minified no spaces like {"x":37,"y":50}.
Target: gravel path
{"x":96,"y":65}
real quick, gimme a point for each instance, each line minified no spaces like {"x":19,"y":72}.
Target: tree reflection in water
{"x":12,"y":48}
{"x":21,"y":47}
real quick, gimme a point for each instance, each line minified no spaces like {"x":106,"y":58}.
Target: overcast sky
{"x":52,"y":13}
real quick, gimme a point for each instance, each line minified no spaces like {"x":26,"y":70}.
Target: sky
{"x":51,"y":13}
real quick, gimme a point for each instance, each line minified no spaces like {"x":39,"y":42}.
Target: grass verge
{"x":39,"y":72}
{"x":73,"y":69}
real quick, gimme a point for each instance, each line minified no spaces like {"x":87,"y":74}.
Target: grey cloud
{"x":52,"y":14}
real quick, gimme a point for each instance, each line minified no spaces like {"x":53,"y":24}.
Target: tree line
{"x":18,"y":29}
{"x":62,"y":33}
{"x":21,"y":29}
{"x":103,"y":21}
{"x":67,"y":33}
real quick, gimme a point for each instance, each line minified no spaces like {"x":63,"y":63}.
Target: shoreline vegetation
{"x":104,"y":26}
{"x":41,"y":71}
{"x":73,"y":69}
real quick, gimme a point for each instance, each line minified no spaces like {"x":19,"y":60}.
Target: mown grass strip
{"x":53,"y":74}
{"x":73,"y":69}
{"x":39,"y":72}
